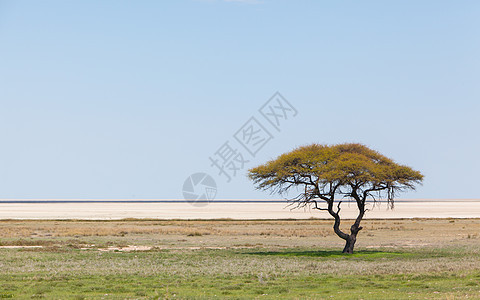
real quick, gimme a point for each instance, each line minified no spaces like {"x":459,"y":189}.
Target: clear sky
{"x":126,"y":99}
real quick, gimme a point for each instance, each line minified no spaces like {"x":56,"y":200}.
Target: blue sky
{"x":126,"y":99}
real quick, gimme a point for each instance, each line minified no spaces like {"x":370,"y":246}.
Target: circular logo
{"x":199,"y":189}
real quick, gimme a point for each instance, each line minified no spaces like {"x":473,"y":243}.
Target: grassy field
{"x":151,"y":259}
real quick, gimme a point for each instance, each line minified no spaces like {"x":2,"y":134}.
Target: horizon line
{"x":222,"y":200}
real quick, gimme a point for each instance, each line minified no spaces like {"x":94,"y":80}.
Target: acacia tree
{"x":324,"y":175}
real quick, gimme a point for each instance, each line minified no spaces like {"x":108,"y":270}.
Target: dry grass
{"x":221,"y":234}
{"x":376,"y":232}
{"x":392,"y":255}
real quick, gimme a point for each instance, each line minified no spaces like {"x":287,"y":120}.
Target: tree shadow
{"x":325,"y":253}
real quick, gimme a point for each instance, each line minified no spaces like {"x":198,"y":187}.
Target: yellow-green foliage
{"x":337,"y":165}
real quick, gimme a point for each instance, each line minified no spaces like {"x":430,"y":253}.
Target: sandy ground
{"x":105,"y":211}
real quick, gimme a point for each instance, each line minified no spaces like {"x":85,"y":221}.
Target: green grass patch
{"x":238,"y":287}
{"x":237,"y":274}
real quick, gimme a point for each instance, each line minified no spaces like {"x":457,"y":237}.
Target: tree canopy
{"x":323,"y":172}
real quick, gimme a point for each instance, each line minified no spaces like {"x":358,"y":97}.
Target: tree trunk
{"x":349,"y":244}
{"x":351,"y":238}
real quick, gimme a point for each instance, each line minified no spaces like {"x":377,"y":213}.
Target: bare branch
{"x":338,"y":207}
{"x":319,"y":208}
